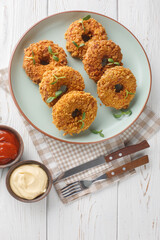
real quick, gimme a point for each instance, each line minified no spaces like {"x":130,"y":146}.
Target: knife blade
{"x":99,"y":160}
{"x":103,"y":159}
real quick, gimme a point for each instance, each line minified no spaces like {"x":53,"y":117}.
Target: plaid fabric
{"x":59,"y":156}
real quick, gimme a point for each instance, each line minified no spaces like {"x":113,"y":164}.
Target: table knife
{"x":105,"y":159}
{"x":78,"y":186}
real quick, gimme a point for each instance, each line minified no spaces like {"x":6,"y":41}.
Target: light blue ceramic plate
{"x":26,"y":94}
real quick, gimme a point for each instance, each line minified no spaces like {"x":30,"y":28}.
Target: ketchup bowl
{"x":29,"y":183}
{"x":11,"y":146}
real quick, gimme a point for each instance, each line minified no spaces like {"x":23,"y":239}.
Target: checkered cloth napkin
{"x":59,"y":156}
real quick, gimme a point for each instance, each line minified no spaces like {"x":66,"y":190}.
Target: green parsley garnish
{"x":82,"y":121}
{"x":78,"y":46}
{"x":84,"y":19}
{"x":54,"y":82}
{"x":111,"y":61}
{"x":56,"y":79}
{"x":55,"y":58}
{"x":122,"y":113}
{"x":57,"y":94}
{"x":128,"y":93}
{"x":62,"y":89}
{"x":53,"y":54}
{"x":97,"y":132}
{"x":34,"y":62}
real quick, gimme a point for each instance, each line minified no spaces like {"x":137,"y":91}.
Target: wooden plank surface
{"x":18,"y":221}
{"x":106,"y":7}
{"x":139,"y":198}
{"x":129,"y":210}
{"x":16,"y":17}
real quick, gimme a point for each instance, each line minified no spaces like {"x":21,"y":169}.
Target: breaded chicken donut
{"x":117,"y":87}
{"x":74,"y":112}
{"x":100,"y":56}
{"x":81,"y":33}
{"x":42,"y":56}
{"x":58,"y":79}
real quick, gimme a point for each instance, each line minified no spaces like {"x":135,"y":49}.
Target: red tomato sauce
{"x":9,"y":146}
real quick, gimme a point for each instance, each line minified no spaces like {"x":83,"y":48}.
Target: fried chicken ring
{"x":61,"y":78}
{"x":74,"y":112}
{"x":42,"y":56}
{"x":117,"y":87}
{"x":82,"y":35}
{"x":100,"y":56}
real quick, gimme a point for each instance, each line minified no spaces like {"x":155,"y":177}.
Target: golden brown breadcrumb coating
{"x":92,"y":31}
{"x":69,"y":110}
{"x":37,"y":59}
{"x":96,"y":58}
{"x":53,"y":80}
{"x":113,"y":86}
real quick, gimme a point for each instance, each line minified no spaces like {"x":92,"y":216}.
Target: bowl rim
{"x":21,"y":145}
{"x":56,"y":138}
{"x":24,"y":162}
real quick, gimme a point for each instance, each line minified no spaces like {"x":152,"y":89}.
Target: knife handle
{"x":128,"y":166}
{"x":127,"y":151}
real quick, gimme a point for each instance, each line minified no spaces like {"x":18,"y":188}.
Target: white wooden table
{"x":128,"y":210}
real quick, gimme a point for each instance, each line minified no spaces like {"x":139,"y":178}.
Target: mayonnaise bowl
{"x":29,"y":181}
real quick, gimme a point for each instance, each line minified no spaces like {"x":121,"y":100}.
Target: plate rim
{"x":29,"y":121}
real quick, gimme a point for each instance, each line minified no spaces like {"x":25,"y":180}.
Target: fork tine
{"x":71,"y":193}
{"x":75,"y":186}
{"x":71,"y":189}
{"x":69,"y":186}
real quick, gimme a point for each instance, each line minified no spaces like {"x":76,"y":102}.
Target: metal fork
{"x":78,"y":186}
